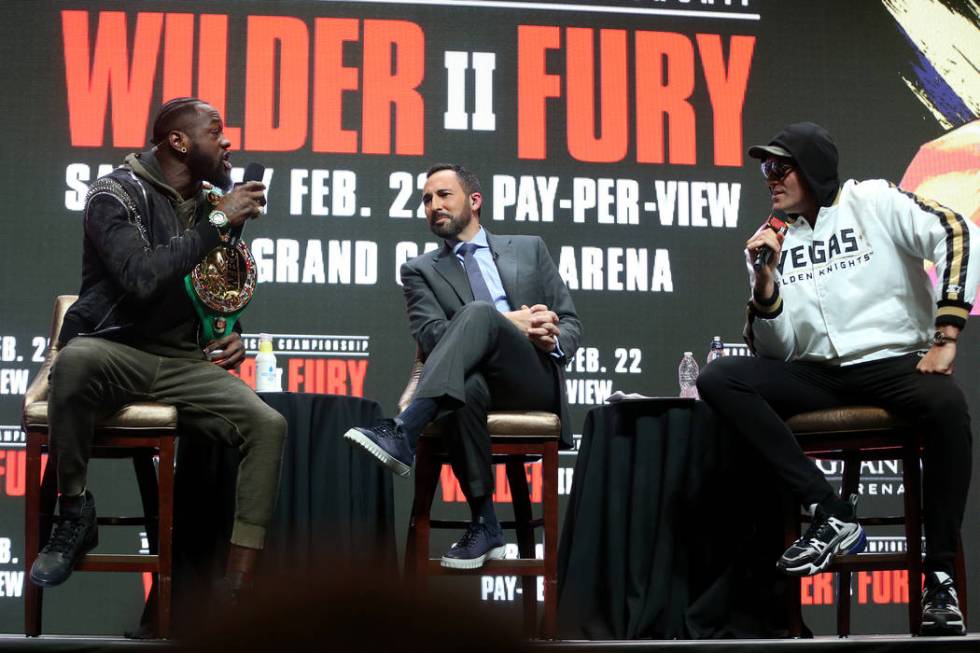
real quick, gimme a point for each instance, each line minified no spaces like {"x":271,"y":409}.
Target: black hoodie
{"x":815,"y":154}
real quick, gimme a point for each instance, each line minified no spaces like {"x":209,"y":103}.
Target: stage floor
{"x":862,"y":644}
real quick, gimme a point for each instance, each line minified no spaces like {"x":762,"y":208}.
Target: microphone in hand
{"x":764,"y":254}
{"x":253,"y":172}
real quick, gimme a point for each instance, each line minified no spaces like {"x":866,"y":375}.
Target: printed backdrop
{"x":616,"y":132}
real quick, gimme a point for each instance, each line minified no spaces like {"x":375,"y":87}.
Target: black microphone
{"x":253,"y":172}
{"x":764,"y":254}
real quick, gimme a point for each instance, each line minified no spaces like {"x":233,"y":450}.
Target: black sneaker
{"x":940,"y":610}
{"x":387,"y":442}
{"x":827,"y":537}
{"x":478,"y":544}
{"x":71,"y":538}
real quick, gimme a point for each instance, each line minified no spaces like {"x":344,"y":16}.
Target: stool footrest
{"x":868,"y":521}
{"x":513,"y":525}
{"x":119,"y":562}
{"x":516,"y":567}
{"x":869,"y":562}
{"x":461,"y":523}
{"x":127,"y":521}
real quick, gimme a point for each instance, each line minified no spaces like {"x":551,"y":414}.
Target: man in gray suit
{"x":496,"y":325}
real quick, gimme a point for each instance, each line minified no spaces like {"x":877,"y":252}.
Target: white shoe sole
{"x":357,"y":438}
{"x":496,"y":553}
{"x":844,"y":547}
{"x":935,"y":629}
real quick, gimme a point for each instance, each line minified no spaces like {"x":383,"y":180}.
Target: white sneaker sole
{"x":362,"y":441}
{"x":935,"y":629}
{"x":853,"y":543}
{"x":496,"y":553}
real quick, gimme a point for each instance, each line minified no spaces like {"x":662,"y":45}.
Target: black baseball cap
{"x":763,"y":151}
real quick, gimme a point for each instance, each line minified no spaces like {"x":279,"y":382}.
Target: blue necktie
{"x":477,"y":283}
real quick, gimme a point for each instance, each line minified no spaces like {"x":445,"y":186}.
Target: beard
{"x":452,"y":227}
{"x":204,"y":168}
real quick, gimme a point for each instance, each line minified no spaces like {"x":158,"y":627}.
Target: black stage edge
{"x":81,"y":644}
{"x":857,"y":644}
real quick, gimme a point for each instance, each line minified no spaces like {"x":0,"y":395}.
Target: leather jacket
{"x":136,"y":255}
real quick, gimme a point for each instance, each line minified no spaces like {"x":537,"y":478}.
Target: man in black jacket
{"x":496,"y":324}
{"x":133,"y":334}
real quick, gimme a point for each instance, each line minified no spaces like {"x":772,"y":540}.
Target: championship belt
{"x":222,"y":284}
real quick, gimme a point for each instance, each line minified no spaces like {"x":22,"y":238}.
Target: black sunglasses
{"x":777,"y":169}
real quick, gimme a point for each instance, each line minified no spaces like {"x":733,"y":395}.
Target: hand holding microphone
{"x":765,"y":244}
{"x":245,"y":201}
{"x":764,"y":247}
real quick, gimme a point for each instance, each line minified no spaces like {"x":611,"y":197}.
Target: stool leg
{"x":165,"y":529}
{"x":549,"y":498}
{"x":850,"y":479}
{"x":517,"y":478}
{"x":912,"y":478}
{"x":146,"y":481}
{"x":959,"y":567}
{"x":426,"y":479}
{"x":34,"y":523}
{"x":791,"y":528}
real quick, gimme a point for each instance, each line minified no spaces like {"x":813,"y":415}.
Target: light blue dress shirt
{"x":484,"y":258}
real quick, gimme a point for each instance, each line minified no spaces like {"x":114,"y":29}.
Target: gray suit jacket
{"x":436,"y":287}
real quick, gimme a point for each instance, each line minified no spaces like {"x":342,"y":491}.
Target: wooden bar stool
{"x":852,"y":435}
{"x":516,"y":438}
{"x":139,"y":431}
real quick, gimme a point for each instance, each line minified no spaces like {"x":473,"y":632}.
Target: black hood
{"x":815,"y":153}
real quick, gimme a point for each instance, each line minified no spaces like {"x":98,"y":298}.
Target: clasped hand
{"x":539,"y":324}
{"x":227,"y":352}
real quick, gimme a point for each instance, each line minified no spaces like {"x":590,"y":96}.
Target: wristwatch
{"x":939,"y":338}
{"x":218,"y":219}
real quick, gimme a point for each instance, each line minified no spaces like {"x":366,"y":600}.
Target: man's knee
{"x":716,"y":376}
{"x":275,"y":425}
{"x":75,"y":366}
{"x":267,"y":425}
{"x":480,"y":311}
{"x":947,"y":408}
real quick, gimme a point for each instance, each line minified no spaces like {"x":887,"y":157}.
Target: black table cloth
{"x":335,"y":504}
{"x":672,"y":531}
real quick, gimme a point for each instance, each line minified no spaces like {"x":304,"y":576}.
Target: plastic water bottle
{"x":717,"y":349}
{"x":687,"y":376}
{"x":266,"y":376}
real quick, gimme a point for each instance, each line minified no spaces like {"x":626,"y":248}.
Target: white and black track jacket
{"x":855,"y":289}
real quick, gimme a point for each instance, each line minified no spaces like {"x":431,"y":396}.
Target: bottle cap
{"x":687,"y":353}
{"x":265,"y":343}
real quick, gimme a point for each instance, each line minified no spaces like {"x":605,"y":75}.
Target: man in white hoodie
{"x":844,"y":313}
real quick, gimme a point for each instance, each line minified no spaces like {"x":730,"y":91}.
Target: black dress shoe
{"x":75,"y":534}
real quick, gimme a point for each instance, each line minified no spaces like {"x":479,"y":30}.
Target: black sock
{"x":414,"y":418}
{"x":834,"y":506}
{"x":482,"y":511}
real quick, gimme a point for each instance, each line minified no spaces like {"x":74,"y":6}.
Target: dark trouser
{"x":93,"y":377}
{"x":483,"y":362}
{"x":755,"y":395}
